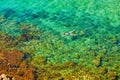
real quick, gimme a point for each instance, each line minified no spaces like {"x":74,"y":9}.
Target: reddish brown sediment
{"x":12,"y":64}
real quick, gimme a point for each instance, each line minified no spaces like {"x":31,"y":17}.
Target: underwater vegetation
{"x":48,"y":56}
{"x":33,"y":45}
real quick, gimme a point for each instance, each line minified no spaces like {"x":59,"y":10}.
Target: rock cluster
{"x":5,"y":77}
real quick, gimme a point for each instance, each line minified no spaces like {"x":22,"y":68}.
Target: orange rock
{"x":10,"y":59}
{"x":14,"y":64}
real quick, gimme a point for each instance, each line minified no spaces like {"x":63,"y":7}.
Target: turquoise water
{"x":95,"y":24}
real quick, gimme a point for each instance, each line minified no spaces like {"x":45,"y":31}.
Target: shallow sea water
{"x":80,"y":39}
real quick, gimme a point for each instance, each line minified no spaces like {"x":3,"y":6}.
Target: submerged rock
{"x":14,"y":63}
{"x":3,"y":77}
{"x":6,"y":77}
{"x":11,"y":58}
